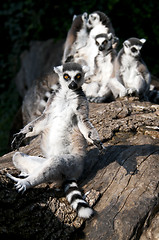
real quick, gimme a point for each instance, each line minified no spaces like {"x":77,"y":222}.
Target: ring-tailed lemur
{"x":64,"y":127}
{"x":96,"y":87}
{"x":76,"y":37}
{"x":131,"y":74}
{"x":97,"y":23}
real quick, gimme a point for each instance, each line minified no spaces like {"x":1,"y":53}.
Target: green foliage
{"x":24,"y":20}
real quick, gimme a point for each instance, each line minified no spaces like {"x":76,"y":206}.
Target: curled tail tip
{"x":74,"y":197}
{"x":85,"y":212}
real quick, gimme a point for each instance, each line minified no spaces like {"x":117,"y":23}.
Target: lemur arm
{"x":31,"y":129}
{"x":86,"y":127}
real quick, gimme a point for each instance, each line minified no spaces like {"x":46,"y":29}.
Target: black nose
{"x":101,"y":48}
{"x":89,"y":22}
{"x":73,"y":85}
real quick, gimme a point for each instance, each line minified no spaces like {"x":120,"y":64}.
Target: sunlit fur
{"x":130,"y":69}
{"x":97,"y":87}
{"x":64,"y":128}
{"x":76,"y":37}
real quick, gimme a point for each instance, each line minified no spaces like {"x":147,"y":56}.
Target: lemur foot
{"x":132,"y":92}
{"x":21,"y":184}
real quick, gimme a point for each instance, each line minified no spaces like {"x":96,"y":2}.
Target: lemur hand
{"x":18,"y":138}
{"x":93,"y":135}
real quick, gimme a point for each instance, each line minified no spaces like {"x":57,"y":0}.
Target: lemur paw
{"x":123,"y":93}
{"x":100,"y":146}
{"x":21,"y":184}
{"x":93,"y":135}
{"x":18,"y":138}
{"x":132,"y":92}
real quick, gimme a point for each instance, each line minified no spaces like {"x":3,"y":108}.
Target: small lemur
{"x":131,"y":75}
{"x":64,"y":127}
{"x":96,"y":87}
{"x":76,"y":37}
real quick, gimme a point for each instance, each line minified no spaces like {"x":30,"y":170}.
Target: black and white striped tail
{"x":74,"y":197}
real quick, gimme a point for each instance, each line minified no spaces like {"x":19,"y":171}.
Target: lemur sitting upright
{"x":130,"y":72}
{"x":76,"y":37}
{"x":64,"y":127}
{"x":96,"y":87}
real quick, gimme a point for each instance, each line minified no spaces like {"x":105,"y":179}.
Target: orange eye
{"x":78,"y":76}
{"x":66,"y":76}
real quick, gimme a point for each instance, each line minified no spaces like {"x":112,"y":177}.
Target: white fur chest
{"x":81,"y":39}
{"x":105,"y":67}
{"x":128,"y":70}
{"x":98,"y":30}
{"x":88,"y":54}
{"x":60,"y":122}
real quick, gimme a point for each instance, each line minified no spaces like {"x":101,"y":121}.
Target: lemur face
{"x":93,"y":20}
{"x":73,"y":79}
{"x":133,"y":46}
{"x":105,"y":42}
{"x":80,"y":19}
{"x":71,"y":75}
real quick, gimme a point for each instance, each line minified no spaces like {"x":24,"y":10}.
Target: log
{"x":121,"y":184}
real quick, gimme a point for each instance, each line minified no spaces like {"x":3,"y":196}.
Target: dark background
{"x":24,"y":20}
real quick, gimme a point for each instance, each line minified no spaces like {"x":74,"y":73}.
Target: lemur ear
{"x":84,"y":16}
{"x":74,"y":16}
{"x":116,"y":40}
{"x":85,"y":69}
{"x":109,"y":36}
{"x":126,"y":44}
{"x":58,"y":69}
{"x":143,"y":40}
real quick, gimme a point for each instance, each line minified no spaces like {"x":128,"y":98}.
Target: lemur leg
{"x":26,"y":164}
{"x":55,"y":169}
{"x":103,"y":94}
{"x":117,"y":88}
{"x":138,"y":86}
{"x":91,"y":89}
